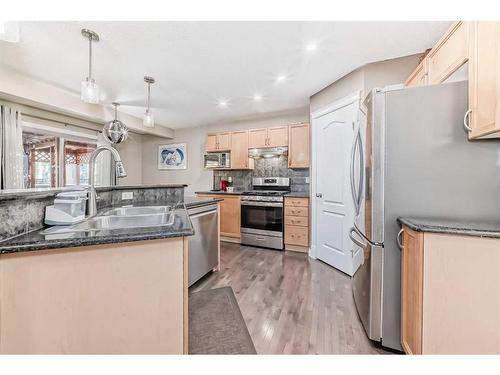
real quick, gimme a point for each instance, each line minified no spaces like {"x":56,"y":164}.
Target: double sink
{"x":122,"y":218}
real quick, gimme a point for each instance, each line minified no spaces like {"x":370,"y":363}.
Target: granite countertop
{"x":37,"y":241}
{"x":298,"y":194}
{"x":237,"y":192}
{"x":192,"y":202}
{"x":453,"y":226}
{"x":50,"y":192}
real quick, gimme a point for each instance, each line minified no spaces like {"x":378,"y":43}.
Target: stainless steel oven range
{"x":262,"y":212}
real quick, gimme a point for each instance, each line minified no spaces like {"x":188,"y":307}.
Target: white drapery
{"x":103,"y":170}
{"x":11,"y":149}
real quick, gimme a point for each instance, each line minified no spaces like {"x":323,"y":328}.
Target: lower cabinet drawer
{"x":295,"y":235}
{"x":297,"y":220}
{"x":296,"y":211}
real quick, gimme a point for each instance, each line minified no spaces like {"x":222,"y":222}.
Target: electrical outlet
{"x":127,"y":195}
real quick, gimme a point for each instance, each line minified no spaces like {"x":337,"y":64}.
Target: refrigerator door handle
{"x":362,"y":235}
{"x":354,"y":239}
{"x":361,"y":170}
{"x":355,"y":197}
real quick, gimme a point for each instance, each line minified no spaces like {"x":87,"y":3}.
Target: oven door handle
{"x":262,"y":204}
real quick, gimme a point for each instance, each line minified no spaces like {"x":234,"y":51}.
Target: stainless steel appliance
{"x":203,"y":246}
{"x":217,"y":160}
{"x":411,"y":157}
{"x":269,"y":152}
{"x":262,"y":216}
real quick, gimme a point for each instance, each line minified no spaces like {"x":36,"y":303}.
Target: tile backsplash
{"x":272,"y":167}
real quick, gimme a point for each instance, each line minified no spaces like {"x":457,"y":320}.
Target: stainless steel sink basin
{"x":130,"y":211}
{"x":116,"y":222}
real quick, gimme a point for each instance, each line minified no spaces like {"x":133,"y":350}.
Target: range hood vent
{"x":272,"y":152}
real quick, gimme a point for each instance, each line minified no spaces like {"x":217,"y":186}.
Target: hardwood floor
{"x":292,"y":304}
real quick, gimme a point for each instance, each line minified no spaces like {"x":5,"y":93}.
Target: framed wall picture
{"x":173,"y":156}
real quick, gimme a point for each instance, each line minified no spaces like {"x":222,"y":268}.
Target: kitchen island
{"x":113,"y":291}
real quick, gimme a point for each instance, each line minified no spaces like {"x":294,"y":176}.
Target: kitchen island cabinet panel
{"x":121,"y":298}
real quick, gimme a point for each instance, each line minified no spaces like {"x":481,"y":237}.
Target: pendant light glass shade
{"x":9,"y":31}
{"x":148,"y":120}
{"x":90,"y":89}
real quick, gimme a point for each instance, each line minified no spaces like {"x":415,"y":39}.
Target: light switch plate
{"x":127,"y":195}
{"x":307,"y":180}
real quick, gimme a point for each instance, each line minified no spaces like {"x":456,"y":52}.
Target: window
{"x":52,"y":160}
{"x":76,"y":162}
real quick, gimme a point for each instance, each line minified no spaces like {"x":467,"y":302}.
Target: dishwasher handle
{"x":201,"y":211}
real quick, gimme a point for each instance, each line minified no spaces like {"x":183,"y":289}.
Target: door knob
{"x":319,"y":195}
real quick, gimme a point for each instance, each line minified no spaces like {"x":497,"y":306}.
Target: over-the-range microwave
{"x":217,"y":160}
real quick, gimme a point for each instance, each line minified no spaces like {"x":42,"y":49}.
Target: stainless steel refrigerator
{"x":411,"y":157}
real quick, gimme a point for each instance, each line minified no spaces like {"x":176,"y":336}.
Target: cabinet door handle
{"x":467,"y":128}
{"x":398,"y":239}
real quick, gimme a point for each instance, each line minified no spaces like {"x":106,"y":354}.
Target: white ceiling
{"x":196,"y":64}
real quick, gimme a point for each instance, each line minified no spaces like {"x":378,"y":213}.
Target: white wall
{"x":367,"y":77}
{"x":195,"y":175}
{"x":131,"y":154}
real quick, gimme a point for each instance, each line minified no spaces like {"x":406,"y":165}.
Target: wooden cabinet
{"x":477,"y":43}
{"x":412,"y":263}
{"x":239,"y":151}
{"x":94,"y":299}
{"x":449,"y":294}
{"x":277,"y":137}
{"x":211,"y":144}
{"x":218,"y":142}
{"x":299,"y":146}
{"x":268,"y":137}
{"x":419,"y":75}
{"x":257,"y":138}
{"x":297,"y":224}
{"x":484,"y":79}
{"x":230,"y":215}
{"x":451,"y":52}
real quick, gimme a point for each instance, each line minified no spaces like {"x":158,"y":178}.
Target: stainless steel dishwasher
{"x":204,"y":245}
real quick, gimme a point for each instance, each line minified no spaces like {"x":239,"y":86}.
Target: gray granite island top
{"x":453,"y":226}
{"x":217,"y":192}
{"x":36,"y":240}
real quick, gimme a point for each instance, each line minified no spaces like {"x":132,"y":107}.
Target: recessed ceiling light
{"x":311,"y":47}
{"x":222,"y":103}
{"x":257,"y":97}
{"x":281,"y":78}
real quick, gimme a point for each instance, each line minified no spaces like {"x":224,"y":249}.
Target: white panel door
{"x":334,"y":211}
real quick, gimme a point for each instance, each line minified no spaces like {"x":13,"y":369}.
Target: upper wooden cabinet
{"x":239,"y":151}
{"x":477,"y":43}
{"x":218,"y":142}
{"x":419,"y":75}
{"x":257,"y":138}
{"x":268,"y":137}
{"x":484,"y":80}
{"x":298,"y":150}
{"x":449,"y":54}
{"x":277,"y":137}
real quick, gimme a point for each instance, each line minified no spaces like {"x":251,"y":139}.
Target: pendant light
{"x":149,"y":120}
{"x":90,"y":89}
{"x":115,"y":131}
